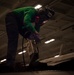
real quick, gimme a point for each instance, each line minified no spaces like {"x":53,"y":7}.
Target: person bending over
{"x":25,"y":21}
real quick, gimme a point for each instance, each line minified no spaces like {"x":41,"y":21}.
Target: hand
{"x":37,"y":38}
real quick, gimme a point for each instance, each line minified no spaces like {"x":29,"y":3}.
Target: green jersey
{"x":25,"y":15}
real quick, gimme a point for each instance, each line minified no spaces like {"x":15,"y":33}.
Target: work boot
{"x":4,"y":67}
{"x":33,"y":58}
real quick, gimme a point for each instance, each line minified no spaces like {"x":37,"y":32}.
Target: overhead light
{"x":38,"y":6}
{"x":3,"y":60}
{"x":22,"y":52}
{"x":56,"y":56}
{"x":51,"y":40}
{"x":45,"y":21}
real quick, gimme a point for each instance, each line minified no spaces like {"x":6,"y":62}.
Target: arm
{"x":37,"y":27}
{"x":38,"y":23}
{"x":27,"y":20}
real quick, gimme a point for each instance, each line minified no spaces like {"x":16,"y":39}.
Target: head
{"x":46,"y":13}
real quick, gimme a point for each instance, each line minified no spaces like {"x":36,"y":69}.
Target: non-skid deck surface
{"x":47,"y":72}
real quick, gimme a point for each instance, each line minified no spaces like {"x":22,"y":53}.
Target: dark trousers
{"x":13,"y":28}
{"x":12,"y":34}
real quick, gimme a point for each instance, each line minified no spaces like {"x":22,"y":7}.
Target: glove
{"x":35,"y":37}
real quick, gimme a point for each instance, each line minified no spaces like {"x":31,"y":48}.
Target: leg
{"x":12,"y":33}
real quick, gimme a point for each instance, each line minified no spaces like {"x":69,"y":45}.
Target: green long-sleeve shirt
{"x":25,"y":15}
